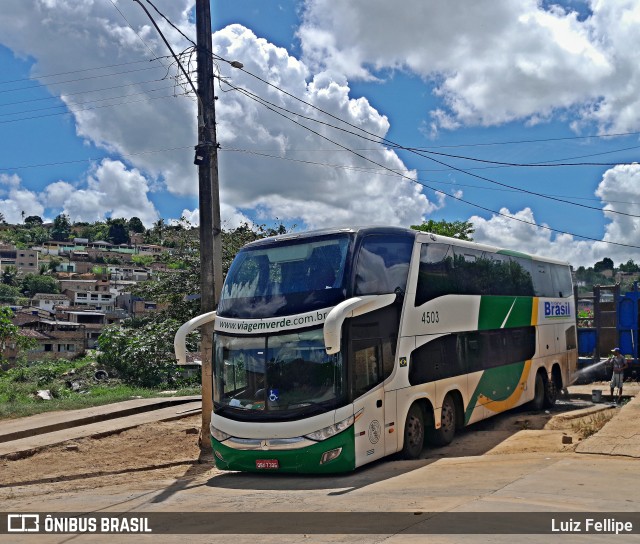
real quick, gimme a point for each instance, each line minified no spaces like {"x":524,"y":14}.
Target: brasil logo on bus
{"x":557,"y":309}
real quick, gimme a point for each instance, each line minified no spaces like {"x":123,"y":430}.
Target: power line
{"x":74,"y":111}
{"x":545,"y":227}
{"x":82,"y":79}
{"x":396,"y":173}
{"x":39,"y":78}
{"x":134,"y":30}
{"x":425,"y":155}
{"x":90,"y":159}
{"x":168,"y":21}
{"x":95,"y":100}
{"x":553,"y":163}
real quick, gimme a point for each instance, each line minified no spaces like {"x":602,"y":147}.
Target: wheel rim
{"x":415,"y":434}
{"x":447,"y":418}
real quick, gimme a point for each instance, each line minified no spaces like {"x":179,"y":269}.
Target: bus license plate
{"x":267,"y":464}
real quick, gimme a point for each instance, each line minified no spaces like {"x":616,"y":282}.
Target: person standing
{"x":617,"y":378}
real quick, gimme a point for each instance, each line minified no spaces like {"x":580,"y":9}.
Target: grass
{"x":587,"y":427}
{"x":72,"y":385}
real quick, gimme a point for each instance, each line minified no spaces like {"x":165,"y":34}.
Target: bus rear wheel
{"x":413,"y":433}
{"x":444,"y":435}
{"x":550,"y":394}
{"x":539,"y":394}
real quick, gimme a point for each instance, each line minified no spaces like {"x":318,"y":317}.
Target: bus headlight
{"x":332,"y":430}
{"x":218,"y":434}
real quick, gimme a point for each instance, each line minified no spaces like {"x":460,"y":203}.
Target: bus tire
{"x":413,"y":433}
{"x":539,"y":393}
{"x":444,"y":435}
{"x":550,"y":394}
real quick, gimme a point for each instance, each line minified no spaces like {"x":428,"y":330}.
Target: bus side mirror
{"x":352,"y":307}
{"x":180,"y":339}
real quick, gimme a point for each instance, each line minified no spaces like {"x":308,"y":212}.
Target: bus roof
{"x":420,"y":236}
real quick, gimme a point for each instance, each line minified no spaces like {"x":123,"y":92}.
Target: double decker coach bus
{"x":337,"y":347}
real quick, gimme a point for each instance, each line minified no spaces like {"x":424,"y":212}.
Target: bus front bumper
{"x":336,"y":454}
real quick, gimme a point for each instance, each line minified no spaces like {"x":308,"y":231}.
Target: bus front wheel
{"x":413,"y":433}
{"x":444,"y":435}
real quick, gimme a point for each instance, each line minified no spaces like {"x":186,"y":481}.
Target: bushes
{"x":141,"y":356}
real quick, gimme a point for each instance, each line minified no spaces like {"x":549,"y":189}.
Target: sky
{"x":520,"y":117}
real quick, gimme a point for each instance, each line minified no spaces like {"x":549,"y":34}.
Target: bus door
{"x":369,"y":398}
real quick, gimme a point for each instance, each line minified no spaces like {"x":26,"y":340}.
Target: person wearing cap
{"x":617,"y":378}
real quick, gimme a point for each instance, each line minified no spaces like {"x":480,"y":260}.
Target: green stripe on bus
{"x":302,"y":460}
{"x":504,"y":312}
{"x":512,"y":253}
{"x":496,"y":384}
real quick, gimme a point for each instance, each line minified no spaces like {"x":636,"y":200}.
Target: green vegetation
{"x":10,"y":334}
{"x":454,"y":229}
{"x":72,"y":385}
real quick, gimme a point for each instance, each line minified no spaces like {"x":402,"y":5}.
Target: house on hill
{"x":48,"y":301}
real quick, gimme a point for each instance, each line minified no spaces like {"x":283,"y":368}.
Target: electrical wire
{"x":395,"y":173}
{"x":83,"y":79}
{"x":396,"y":146}
{"x":91,"y":159}
{"x":39,"y":78}
{"x":168,"y":21}
{"x":545,"y":227}
{"x":134,"y":30}
{"x":75,"y":111}
{"x":64,"y":105}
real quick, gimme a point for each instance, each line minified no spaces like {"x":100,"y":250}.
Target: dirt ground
{"x":169,"y":451}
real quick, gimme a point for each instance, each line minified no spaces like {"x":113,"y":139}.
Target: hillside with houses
{"x":64,"y":292}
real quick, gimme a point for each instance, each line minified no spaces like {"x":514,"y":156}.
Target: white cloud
{"x":493,"y":61}
{"x":299,"y":180}
{"x":619,"y":191}
{"x":111,"y":191}
{"x":65,"y":35}
{"x":15,"y":200}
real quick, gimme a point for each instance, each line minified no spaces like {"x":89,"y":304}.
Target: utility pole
{"x":209,"y":206}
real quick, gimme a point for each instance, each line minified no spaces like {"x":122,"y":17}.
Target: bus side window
{"x":435,"y":276}
{"x":561,"y":279}
{"x":383,"y":264}
{"x":366,"y":369}
{"x":542,"y":280}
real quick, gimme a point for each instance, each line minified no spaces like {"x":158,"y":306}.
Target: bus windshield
{"x":286,"y":372}
{"x":286,"y":278}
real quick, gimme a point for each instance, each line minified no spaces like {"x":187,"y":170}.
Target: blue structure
{"x":628,"y":323}
{"x":615,"y":323}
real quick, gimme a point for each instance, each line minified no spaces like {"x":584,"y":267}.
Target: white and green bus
{"x":337,"y":347}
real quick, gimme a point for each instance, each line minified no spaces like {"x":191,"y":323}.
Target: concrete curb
{"x":619,"y":436}
{"x":47,"y":422}
{"x":25,"y":447}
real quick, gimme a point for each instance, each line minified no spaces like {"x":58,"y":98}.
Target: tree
{"x":61,"y":228}
{"x":10,"y":336}
{"x":142,"y":356}
{"x":9,"y":294}
{"x":629,"y":267}
{"x":604,"y":264}
{"x":33,"y":284}
{"x":456,"y":229}
{"x":118,"y":233}
{"x":2,"y":220}
{"x":33,"y":220}
{"x":10,"y":275}
{"x":135,"y":225}
{"x":54,"y":263}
